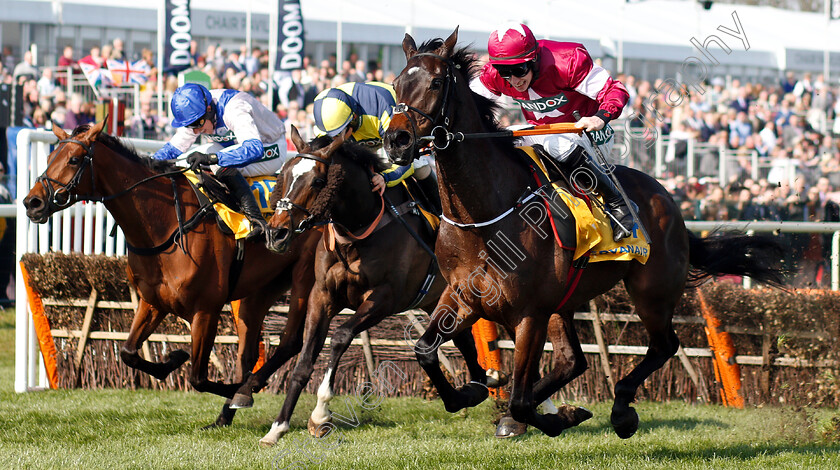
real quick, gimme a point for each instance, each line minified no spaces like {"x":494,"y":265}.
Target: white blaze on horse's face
{"x":301,"y":168}
{"x":412,"y":70}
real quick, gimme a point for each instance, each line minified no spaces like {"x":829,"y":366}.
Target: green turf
{"x":150,"y":429}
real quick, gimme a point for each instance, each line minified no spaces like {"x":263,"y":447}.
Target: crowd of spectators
{"x":790,"y":124}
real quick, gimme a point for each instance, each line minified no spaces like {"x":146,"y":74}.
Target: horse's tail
{"x":759,"y":257}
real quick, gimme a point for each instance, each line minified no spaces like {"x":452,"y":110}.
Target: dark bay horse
{"x":188,"y":276}
{"x":480,"y":181}
{"x":376,"y":273}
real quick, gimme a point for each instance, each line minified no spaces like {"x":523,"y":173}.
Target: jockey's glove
{"x":196,"y":159}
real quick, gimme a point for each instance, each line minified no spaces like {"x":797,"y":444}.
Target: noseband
{"x":53,"y":194}
{"x":57,"y":188}
{"x":440,"y":135}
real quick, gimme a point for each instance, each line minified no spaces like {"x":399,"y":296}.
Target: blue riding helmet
{"x":189,"y":104}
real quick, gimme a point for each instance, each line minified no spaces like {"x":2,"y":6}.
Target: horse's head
{"x":64,"y":181}
{"x":424,"y":93}
{"x":296,"y":194}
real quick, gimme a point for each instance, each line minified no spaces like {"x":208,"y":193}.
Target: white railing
{"x":82,"y":228}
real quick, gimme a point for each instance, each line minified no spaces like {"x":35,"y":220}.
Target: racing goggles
{"x":198,"y":123}
{"x":515,"y":70}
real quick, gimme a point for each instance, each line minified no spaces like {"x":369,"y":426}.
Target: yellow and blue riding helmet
{"x":334,"y":111}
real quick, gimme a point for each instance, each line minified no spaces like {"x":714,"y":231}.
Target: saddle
{"x":591,"y":230}
{"x":229,"y":219}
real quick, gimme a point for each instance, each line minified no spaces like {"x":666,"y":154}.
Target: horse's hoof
{"x":240,"y":400}
{"x":496,"y":378}
{"x":177,"y":358}
{"x":267,"y":441}
{"x":475,"y":393}
{"x":319,"y":430}
{"x":625,"y":424}
{"x":509,"y":427}
{"x":277,"y":431}
{"x":574,"y":415}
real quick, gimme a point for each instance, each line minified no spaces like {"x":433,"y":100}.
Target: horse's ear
{"x":409,"y":46}
{"x":59,"y":132}
{"x":300,"y":145}
{"x":337,"y":142}
{"x":94,"y":131}
{"x":448,"y":45}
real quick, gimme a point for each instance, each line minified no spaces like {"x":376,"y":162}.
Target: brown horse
{"x":376,"y":273}
{"x":480,"y":181}
{"x":179,"y":261}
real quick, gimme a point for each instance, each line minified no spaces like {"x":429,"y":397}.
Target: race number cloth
{"x":238,"y":223}
{"x":594,"y":230}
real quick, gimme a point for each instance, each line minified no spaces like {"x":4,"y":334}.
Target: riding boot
{"x":429,"y":187}
{"x":621,"y":217}
{"x":241,"y":191}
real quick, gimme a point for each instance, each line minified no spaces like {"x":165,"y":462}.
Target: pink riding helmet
{"x":513,"y":43}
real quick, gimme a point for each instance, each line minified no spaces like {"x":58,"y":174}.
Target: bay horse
{"x":480,"y":183}
{"x":377,"y":273}
{"x":179,"y":261}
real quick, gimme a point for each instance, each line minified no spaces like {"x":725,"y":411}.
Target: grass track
{"x":148,"y":429}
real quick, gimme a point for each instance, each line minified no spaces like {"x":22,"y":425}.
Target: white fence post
{"x":84,"y":223}
{"x":835,"y":261}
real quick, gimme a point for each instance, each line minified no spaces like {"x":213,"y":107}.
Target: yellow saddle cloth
{"x":261,"y":186}
{"x":593,"y":230}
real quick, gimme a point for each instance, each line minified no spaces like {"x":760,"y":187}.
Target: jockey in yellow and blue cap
{"x":250,"y":140}
{"x":362,"y":113}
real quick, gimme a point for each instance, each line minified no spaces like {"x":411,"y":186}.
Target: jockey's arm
{"x":396,"y":174}
{"x":177,"y":145}
{"x":239,"y":118}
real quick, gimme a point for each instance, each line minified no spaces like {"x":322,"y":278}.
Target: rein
{"x":87,"y":161}
{"x":370,"y":229}
{"x":285,"y":204}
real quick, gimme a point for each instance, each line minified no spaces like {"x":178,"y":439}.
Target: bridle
{"x":440,"y":135}
{"x":286,"y":204}
{"x":54,"y":195}
{"x":57,"y":189}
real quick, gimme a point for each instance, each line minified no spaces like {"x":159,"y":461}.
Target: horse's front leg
{"x":204,"y":327}
{"x":291,"y":341}
{"x":447,"y":322}
{"x":146,"y":320}
{"x":568,"y":362}
{"x":319,"y":312}
{"x":252,"y":311}
{"x":530,"y":341}
{"x":378,"y":305}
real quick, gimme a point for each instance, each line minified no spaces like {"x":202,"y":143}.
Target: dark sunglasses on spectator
{"x":516,"y":70}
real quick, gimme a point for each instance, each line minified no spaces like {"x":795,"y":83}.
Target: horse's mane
{"x":467,"y":64}
{"x":356,"y":153}
{"x":127,"y":150}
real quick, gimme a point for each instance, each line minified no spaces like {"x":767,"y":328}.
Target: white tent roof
{"x":649,"y":28}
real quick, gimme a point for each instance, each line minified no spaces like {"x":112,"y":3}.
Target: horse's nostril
{"x":32,"y":203}
{"x":402,"y":139}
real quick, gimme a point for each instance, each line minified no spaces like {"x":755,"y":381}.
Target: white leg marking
{"x":275,"y":433}
{"x":321,"y":413}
